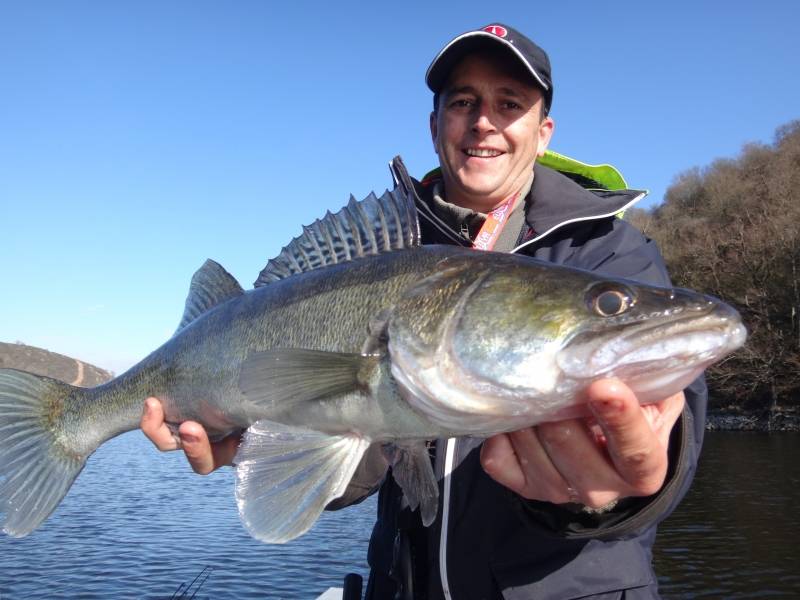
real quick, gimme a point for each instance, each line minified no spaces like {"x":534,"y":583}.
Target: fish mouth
{"x":664,"y":352}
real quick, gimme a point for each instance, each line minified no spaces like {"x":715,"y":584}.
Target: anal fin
{"x":285,"y":476}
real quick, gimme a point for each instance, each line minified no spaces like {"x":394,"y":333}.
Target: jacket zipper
{"x":449,"y":459}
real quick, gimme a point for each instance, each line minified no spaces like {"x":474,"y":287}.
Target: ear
{"x":544,"y":133}
{"x":434,"y":131}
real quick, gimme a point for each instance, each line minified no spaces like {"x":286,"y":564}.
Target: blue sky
{"x":139,"y":138}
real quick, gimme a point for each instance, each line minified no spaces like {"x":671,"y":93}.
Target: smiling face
{"x":488,"y":130}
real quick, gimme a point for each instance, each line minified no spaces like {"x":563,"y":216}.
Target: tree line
{"x":732,"y":229}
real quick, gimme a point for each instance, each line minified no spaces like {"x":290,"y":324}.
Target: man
{"x":561,"y":510}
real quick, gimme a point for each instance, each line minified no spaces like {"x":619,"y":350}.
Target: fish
{"x":356,"y":338}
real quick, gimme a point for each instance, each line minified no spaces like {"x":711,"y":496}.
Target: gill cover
{"x":475,"y":343}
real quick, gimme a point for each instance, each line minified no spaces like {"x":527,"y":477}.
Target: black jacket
{"x":499,"y":545}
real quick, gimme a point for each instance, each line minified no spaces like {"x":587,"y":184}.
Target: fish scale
{"x":373,"y":342}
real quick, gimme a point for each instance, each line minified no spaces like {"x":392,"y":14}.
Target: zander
{"x":356,"y":335}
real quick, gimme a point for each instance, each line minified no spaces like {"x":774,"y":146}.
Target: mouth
{"x":482,"y":152}
{"x":692,"y":341}
{"x":688,"y":340}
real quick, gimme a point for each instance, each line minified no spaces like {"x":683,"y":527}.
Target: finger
{"x":545,"y":481}
{"x":572,"y":448}
{"x":663,"y":415}
{"x":203,"y":456}
{"x":518,"y":461}
{"x":197,"y":447}
{"x":153,"y":426}
{"x":500,"y":462}
{"x":635,"y":450}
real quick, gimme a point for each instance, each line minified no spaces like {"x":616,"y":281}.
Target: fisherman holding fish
{"x":563,"y":509}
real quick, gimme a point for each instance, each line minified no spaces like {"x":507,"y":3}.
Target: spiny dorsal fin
{"x":211,"y":285}
{"x":372,"y":226}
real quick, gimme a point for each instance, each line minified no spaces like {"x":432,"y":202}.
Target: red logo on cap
{"x":498,"y":30}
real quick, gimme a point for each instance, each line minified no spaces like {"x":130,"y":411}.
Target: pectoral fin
{"x":285,"y":476}
{"x":291,"y":375}
{"x":413,"y":472}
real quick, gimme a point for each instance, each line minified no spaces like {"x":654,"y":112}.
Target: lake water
{"x":736,"y":533}
{"x":138,"y":524}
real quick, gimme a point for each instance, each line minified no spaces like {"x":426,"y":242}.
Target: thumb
{"x":635,"y":450}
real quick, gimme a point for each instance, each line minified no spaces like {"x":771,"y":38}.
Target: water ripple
{"x":735,"y":534}
{"x":138,"y":523}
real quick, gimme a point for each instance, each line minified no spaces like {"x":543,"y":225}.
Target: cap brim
{"x":441,"y":66}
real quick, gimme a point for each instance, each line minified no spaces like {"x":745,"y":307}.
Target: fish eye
{"x":610,"y":302}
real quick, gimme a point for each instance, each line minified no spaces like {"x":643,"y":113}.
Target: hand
{"x":621,"y":452}
{"x":203,"y":456}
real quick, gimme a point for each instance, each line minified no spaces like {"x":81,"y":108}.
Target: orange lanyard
{"x":495,"y":221}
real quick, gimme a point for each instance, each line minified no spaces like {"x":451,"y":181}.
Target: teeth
{"x":482,"y":153}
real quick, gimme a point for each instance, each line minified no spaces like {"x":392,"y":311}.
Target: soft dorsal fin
{"x":372,"y":226}
{"x":211,"y":285}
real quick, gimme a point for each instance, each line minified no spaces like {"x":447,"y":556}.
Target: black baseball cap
{"x":533,"y":58}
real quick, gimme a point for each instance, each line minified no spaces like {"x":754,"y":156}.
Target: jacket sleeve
{"x":622,"y":251}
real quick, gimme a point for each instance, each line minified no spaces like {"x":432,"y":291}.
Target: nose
{"x":483,"y":121}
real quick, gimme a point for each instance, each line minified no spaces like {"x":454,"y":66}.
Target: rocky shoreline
{"x":768,"y":421}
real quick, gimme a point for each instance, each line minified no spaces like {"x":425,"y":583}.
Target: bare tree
{"x":732,"y":229}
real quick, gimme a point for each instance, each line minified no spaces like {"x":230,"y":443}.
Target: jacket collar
{"x":554,"y":201}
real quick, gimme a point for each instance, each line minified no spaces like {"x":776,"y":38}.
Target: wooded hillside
{"x":732,"y":229}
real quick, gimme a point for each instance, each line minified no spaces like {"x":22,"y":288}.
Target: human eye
{"x":461,"y":102}
{"x":511,"y":105}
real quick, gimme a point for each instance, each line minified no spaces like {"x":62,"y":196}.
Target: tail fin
{"x":36,"y":470}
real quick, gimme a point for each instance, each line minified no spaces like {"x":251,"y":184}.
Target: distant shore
{"x":51,"y":364}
